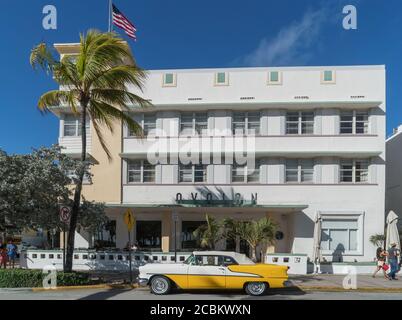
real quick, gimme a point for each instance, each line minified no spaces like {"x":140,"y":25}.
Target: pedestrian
{"x":12,"y":253}
{"x":393,"y":254}
{"x":3,"y":257}
{"x":381,"y":257}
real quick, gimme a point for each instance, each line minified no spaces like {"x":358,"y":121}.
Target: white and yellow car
{"x":214,"y":270}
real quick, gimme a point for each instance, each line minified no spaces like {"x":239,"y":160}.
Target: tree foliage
{"x":254,"y":232}
{"x":209,"y":233}
{"x":33,"y":186}
{"x":378,"y":240}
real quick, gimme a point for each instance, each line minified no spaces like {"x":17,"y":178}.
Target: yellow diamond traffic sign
{"x":129,"y":219}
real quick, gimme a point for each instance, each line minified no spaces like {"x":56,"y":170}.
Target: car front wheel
{"x":256,"y":288}
{"x":160,"y":285}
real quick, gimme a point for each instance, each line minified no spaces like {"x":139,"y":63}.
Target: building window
{"x":149,"y":235}
{"x":354,"y":122}
{"x":274,"y":77}
{"x":188,"y":241}
{"x":221,"y":79}
{"x":169,"y":80}
{"x":328,"y":76}
{"x":300,"y":122}
{"x":140,"y":171}
{"x":246,"y":174}
{"x":246,"y":123}
{"x":339,"y":236}
{"x":148,"y":125}
{"x":72,"y":126}
{"x":354,"y":171}
{"x":189,"y":173}
{"x":299,"y":171}
{"x":194,"y":123}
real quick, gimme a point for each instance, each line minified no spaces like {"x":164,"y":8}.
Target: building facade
{"x":287,"y":143}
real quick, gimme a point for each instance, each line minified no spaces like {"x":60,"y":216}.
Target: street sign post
{"x":129,"y":221}
{"x":65,"y":215}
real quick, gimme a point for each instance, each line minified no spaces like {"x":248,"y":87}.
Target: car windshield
{"x":190,"y":260}
{"x":237,"y":258}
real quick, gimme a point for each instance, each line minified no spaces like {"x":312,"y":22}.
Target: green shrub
{"x":23,"y":278}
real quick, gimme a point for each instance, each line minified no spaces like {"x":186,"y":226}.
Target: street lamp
{"x":175,"y":218}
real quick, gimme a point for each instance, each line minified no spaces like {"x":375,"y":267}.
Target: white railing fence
{"x":297,"y":263}
{"x":96,"y":260}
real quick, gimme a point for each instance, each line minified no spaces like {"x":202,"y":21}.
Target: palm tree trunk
{"x":253,"y":250}
{"x":237,"y":244}
{"x":77,"y":193}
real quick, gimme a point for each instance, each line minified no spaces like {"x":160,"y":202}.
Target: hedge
{"x":24,"y":278}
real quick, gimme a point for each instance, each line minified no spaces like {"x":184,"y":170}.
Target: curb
{"x":362,"y":289}
{"x":88,"y":287}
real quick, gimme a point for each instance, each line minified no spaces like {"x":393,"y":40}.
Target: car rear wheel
{"x":160,"y":285}
{"x":256,"y":288}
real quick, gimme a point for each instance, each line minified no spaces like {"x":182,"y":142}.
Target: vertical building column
{"x":166,"y":231}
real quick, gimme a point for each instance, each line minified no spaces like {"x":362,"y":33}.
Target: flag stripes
{"x":122,"y":22}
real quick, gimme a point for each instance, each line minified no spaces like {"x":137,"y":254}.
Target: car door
{"x":206,"y":273}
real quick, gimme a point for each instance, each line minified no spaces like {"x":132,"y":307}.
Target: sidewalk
{"x":335,"y":283}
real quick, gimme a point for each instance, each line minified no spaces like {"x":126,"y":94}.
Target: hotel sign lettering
{"x":212,"y":199}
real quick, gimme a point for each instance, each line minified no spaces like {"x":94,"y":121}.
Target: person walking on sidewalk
{"x":12,"y":253}
{"x":381,"y":257}
{"x":393,"y":254}
{"x":3,"y":256}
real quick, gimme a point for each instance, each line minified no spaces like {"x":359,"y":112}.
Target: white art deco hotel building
{"x":317,"y":135}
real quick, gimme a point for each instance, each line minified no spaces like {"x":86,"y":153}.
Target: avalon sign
{"x":212,"y":200}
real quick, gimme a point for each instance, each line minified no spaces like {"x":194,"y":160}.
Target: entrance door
{"x":206,"y":273}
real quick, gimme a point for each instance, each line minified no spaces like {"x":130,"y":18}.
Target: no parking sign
{"x":65,"y":214}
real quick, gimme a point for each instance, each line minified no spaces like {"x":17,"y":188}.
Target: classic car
{"x":213,"y":270}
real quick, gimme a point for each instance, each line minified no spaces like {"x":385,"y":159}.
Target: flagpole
{"x":110,"y":27}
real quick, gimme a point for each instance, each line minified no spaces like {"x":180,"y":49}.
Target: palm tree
{"x":256,"y":233}
{"x":209,"y":234}
{"x":93,"y":84}
{"x":378,"y":240}
{"x":231,"y":231}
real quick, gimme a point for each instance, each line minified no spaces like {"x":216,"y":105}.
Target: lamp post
{"x":175,"y":219}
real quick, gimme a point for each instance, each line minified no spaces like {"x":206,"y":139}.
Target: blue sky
{"x":196,"y":34}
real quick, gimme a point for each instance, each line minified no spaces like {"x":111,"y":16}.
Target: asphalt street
{"x":144,"y":294}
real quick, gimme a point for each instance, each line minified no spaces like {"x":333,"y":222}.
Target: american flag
{"x":122,"y":22}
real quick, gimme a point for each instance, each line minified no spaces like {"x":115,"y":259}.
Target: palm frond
{"x":42,"y":56}
{"x":119,"y":77}
{"x":56,"y":98}
{"x":113,"y":113}
{"x":119,"y":98}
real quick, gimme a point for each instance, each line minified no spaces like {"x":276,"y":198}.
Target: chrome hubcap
{"x":159,"y":285}
{"x":256,"y":288}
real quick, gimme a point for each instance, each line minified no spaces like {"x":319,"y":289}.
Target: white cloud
{"x":292,"y":45}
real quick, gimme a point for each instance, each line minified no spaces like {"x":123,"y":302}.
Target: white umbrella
{"x":392,"y":230}
{"x":317,"y":242}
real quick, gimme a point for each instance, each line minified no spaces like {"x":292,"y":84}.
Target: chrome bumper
{"x":142,"y":282}
{"x":288,"y":284}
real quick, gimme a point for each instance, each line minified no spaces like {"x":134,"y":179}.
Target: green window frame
{"x":328,"y":76}
{"x":169,"y":78}
{"x":274,"y":76}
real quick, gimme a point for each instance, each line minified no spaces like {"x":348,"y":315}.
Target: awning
{"x":290,"y":207}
